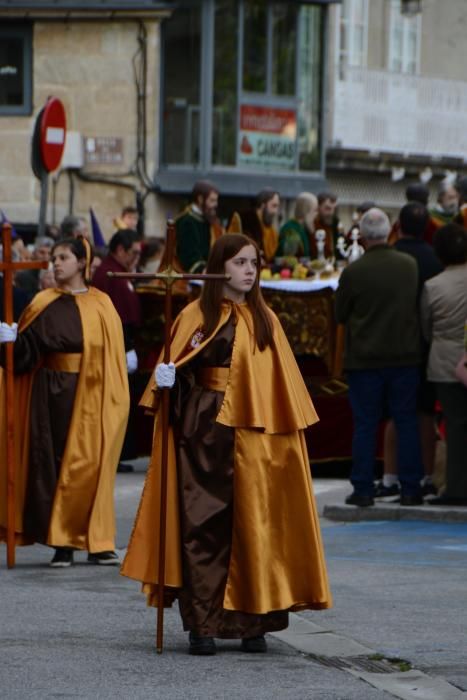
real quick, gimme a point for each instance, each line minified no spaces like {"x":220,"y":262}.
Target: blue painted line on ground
{"x":406,"y":543}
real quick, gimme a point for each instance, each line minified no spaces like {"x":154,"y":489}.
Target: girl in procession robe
{"x":243,"y":537}
{"x":71,"y":410}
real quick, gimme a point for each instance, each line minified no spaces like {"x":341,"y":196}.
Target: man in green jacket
{"x":377,"y":302}
{"x":197,"y":227}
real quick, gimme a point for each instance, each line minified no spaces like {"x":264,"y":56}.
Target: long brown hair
{"x":225,"y":248}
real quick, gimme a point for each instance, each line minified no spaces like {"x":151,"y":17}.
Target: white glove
{"x":165,"y":375}
{"x":131,"y":361}
{"x":8,"y":333}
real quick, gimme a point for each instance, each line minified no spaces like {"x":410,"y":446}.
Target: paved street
{"x":398,"y":623}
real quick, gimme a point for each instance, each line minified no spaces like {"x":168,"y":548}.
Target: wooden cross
{"x":168,"y":277}
{"x":8,"y":267}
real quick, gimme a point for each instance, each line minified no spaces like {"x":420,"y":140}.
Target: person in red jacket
{"x":124,"y":253}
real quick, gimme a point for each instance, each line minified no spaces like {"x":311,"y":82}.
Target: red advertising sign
{"x":267,"y":137}
{"x":52,"y":134}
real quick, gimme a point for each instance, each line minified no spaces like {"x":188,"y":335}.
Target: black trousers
{"x":453,"y":398}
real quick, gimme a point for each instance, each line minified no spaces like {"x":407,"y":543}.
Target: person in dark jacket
{"x":377,"y":302}
{"x":413,"y":221}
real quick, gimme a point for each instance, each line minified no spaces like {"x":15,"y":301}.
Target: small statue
{"x":354,"y":251}
{"x":320,"y":238}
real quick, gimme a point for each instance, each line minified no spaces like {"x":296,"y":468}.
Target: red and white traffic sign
{"x":52,"y":134}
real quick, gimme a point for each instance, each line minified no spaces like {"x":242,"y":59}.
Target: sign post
{"x":48,"y":144}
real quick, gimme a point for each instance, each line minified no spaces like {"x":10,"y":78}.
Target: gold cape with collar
{"x":277,"y":560}
{"x":83,"y":511}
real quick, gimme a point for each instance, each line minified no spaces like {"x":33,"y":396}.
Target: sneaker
{"x":62,"y":559}
{"x":429,"y":489}
{"x":409,"y":500}
{"x":201,"y":646}
{"x":254,"y":645}
{"x":382,"y":491}
{"x":124,"y":468}
{"x":104,"y":558}
{"x":360,"y":500}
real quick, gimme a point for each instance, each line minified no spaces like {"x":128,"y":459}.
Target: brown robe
{"x":205,"y":459}
{"x":243,"y":544}
{"x":56,"y":329}
{"x":77,"y":415}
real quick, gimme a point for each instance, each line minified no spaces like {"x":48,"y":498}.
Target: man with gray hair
{"x":294,"y":236}
{"x":29,"y":280}
{"x":377,"y":302}
{"x":74,"y":226}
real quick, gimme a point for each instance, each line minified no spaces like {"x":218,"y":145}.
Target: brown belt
{"x":63,"y":362}
{"x":214,"y":378}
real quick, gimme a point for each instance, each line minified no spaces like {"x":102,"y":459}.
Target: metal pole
{"x":43,"y":204}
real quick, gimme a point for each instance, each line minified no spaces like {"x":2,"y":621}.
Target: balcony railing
{"x":395,"y":113}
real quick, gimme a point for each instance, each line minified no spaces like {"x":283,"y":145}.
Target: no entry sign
{"x":52,"y":134}
{"x":47,"y":146}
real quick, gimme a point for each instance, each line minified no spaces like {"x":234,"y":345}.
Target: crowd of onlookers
{"x":404,"y":307}
{"x":403,"y":304}
{"x":145,"y":256}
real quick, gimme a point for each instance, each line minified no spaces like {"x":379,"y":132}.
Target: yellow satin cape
{"x":277,"y":560}
{"x":83,"y":510}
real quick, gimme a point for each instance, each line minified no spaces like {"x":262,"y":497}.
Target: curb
{"x":328,"y":648}
{"x":393,"y":511}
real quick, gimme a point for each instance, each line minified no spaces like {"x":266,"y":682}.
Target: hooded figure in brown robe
{"x":71,"y":408}
{"x":243,"y":539}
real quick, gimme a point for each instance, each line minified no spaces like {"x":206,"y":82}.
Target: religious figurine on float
{"x":354,"y":251}
{"x":320,"y":237}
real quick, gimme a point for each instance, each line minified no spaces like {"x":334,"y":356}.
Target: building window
{"x":309,"y":88}
{"x":255,"y":43}
{"x":15,"y":70}
{"x":404,"y":41}
{"x":353,"y":34}
{"x":225,"y":96}
{"x":248,"y":95}
{"x":182,"y":87}
{"x":269,"y":47}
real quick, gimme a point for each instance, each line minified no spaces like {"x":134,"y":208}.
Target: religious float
{"x":301,"y":292}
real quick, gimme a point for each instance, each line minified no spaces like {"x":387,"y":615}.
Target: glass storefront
{"x":225,"y":94}
{"x":182,"y":87}
{"x":242,"y":87}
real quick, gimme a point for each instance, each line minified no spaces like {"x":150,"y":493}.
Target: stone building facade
{"x":159,"y":94}
{"x":104,"y":66}
{"x":397,"y":99}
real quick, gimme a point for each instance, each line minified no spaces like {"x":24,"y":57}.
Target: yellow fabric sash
{"x":213,"y":378}
{"x":83,"y":511}
{"x":63,"y":362}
